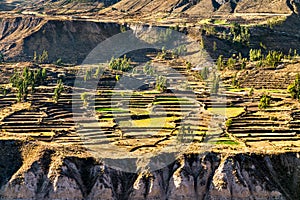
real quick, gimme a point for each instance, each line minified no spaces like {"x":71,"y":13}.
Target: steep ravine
{"x":44,"y":172}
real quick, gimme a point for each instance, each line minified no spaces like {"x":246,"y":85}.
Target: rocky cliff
{"x":70,"y":41}
{"x":37,"y":171}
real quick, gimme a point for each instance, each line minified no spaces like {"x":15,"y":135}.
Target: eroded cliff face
{"x":70,"y":41}
{"x":44,"y":172}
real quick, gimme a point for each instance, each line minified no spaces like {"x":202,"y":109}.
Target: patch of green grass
{"x":172,"y":102}
{"x":228,"y":112}
{"x":111,"y":110}
{"x":149,"y":92}
{"x":227,"y":142}
{"x":205,"y":21}
{"x":220,"y":22}
{"x":165,"y":122}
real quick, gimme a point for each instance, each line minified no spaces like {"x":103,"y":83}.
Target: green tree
{"x":43,"y":57}
{"x":294,"y":88}
{"x":35,"y":57}
{"x":220,"y":62}
{"x":255,"y":54}
{"x":264,"y":102}
{"x":88,"y":75}
{"x":84,"y":97}
{"x":204,"y":73}
{"x":215,"y":84}
{"x":22,"y":81}
{"x":58,"y":90}
{"x":273,"y":58}
{"x":251,"y":91}
{"x":214,"y":46}
{"x":98,"y":72}
{"x":231,"y":63}
{"x":58,"y":62}
{"x":121,"y":64}
{"x":161,"y":83}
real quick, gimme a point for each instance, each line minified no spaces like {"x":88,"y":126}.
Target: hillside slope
{"x":146,"y":7}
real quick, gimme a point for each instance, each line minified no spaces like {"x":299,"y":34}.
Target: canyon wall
{"x":50,"y":174}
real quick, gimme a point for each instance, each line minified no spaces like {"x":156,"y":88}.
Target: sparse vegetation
{"x":162,"y":54}
{"x":88,"y":74}
{"x":161,"y":83}
{"x":121,"y":64}
{"x":148,"y":69}
{"x":240,"y":34}
{"x":220,"y":62}
{"x":58,"y":91}
{"x":294,"y":88}
{"x":42,"y":58}
{"x":275,"y":21}
{"x":215,"y":84}
{"x":273,"y":58}
{"x":28,"y":78}
{"x":228,"y":123}
{"x":84,"y":97}
{"x":204,"y":73}
{"x":255,"y":54}
{"x":264,"y":102}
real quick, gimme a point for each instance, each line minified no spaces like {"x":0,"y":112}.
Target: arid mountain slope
{"x":70,"y":41}
{"x":146,"y":7}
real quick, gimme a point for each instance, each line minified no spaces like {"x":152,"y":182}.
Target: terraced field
{"x":131,"y":120}
{"x":123,"y":118}
{"x":277,"y":125}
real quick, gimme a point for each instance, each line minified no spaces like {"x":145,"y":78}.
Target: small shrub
{"x":98,"y":72}
{"x":228,"y":123}
{"x":84,"y":97}
{"x":58,"y":91}
{"x":220,"y":62}
{"x":255,"y":54}
{"x":251,"y":92}
{"x":58,"y":62}
{"x":43,"y":57}
{"x":148,"y":69}
{"x":294,"y":88}
{"x":88,"y":75}
{"x":273,"y":58}
{"x":215,"y":84}
{"x":161,"y":83}
{"x":264,"y":102}
{"x":188,"y":65}
{"x":204,"y":73}
{"x":231,"y":63}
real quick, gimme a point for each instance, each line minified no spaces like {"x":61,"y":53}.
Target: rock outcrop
{"x":49,"y":174}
